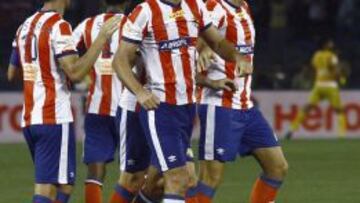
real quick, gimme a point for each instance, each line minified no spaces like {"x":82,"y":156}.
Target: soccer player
{"x":325,"y":63}
{"x":45,"y":51}
{"x":230,"y":124}
{"x":166,"y":31}
{"x":101,"y":137}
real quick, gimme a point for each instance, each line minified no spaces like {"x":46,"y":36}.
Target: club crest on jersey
{"x":177,"y":14}
{"x":245,"y":49}
{"x":174,"y":44}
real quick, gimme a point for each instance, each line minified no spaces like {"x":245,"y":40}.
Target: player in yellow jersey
{"x":328,"y":77}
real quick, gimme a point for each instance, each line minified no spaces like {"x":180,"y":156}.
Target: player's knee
{"x":279,"y":170}
{"x":96,"y":172}
{"x":66,"y":189}
{"x":176,"y":180}
{"x":213,"y":179}
{"x":193,"y":180}
{"x":132,"y":181}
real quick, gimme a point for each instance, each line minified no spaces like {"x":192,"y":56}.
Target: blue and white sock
{"x":168,"y":198}
{"x":41,"y":199}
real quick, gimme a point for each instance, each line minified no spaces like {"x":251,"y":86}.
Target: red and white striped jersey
{"x":236,"y":25}
{"x":167,"y":35}
{"x":41,"y":40}
{"x":105,"y":87}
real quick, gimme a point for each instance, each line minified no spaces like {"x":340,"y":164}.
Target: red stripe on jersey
{"x":123,"y":21}
{"x":29,"y":85}
{"x":243,"y":95}
{"x":88,"y":29}
{"x":106,"y":80}
{"x":196,"y":12}
{"x":160,"y":34}
{"x":49,"y":115}
{"x":231,"y":35}
{"x":135,"y":13}
{"x":88,"y":41}
{"x":65,"y":29}
{"x":211,"y":4}
{"x":185,"y":56}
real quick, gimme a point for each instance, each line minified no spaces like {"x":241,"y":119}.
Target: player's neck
{"x":116,"y":9}
{"x":236,"y":3}
{"x":53,"y":6}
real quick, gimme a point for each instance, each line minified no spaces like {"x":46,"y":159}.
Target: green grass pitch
{"x":321,"y":171}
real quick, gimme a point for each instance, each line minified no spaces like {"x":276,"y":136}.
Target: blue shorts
{"x":134,"y":152}
{"x":168,"y":131}
{"x":101,"y":139}
{"x":226,"y":133}
{"x":53,"y":151}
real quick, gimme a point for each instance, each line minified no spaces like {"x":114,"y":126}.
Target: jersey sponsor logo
{"x":105,"y":66}
{"x":174,"y":44}
{"x":177,"y":14}
{"x":30,"y":71}
{"x":245,"y":49}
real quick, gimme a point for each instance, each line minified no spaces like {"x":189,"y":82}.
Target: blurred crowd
{"x":287,"y":35}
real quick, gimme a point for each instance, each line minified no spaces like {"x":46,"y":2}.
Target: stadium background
{"x":288,"y":32}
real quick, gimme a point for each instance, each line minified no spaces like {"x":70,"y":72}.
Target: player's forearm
{"x":83,"y":65}
{"x":203,"y":81}
{"x":123,"y":67}
{"x":11,"y":73}
{"x":225,"y":50}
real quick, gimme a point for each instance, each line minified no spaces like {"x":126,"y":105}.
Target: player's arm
{"x":14,"y":65}
{"x":75,"y":67}
{"x":221,"y":84}
{"x":226,"y":50}
{"x":124,"y":61}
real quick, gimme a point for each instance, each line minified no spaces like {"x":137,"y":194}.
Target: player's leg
{"x":55,"y":161}
{"x":260,"y":141}
{"x":314,"y":98}
{"x":99,"y":149}
{"x":63,"y":193}
{"x":335,"y":102}
{"x":219,"y":140}
{"x":153,"y":188}
{"x":163,"y":129}
{"x":191,"y":194}
{"x":134,"y":157}
{"x":275,"y":167}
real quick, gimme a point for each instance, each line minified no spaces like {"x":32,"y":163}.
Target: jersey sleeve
{"x":216,"y":14}
{"x":62,"y":40}
{"x":205,"y":21}
{"x":135,"y":27}
{"x":79,"y":37}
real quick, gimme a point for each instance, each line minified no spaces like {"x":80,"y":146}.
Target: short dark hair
{"x":114,"y":2}
{"x":130,"y":7}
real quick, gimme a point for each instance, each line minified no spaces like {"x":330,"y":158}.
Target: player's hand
{"x":148,"y":100}
{"x":206,"y":57}
{"x":244,"y":66}
{"x":224,"y":84}
{"x":109,"y":27}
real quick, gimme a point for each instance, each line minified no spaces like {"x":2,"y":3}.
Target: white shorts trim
{"x":210,"y":133}
{"x":156,"y":142}
{"x":64,"y":153}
